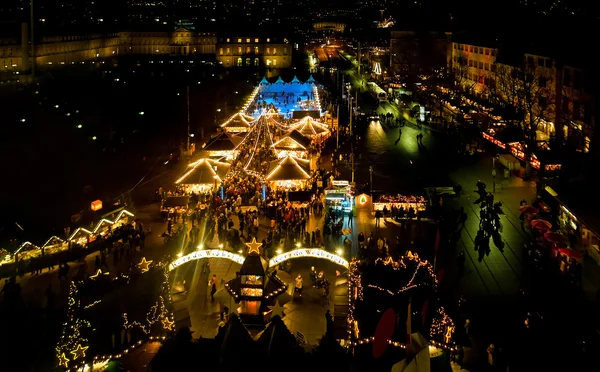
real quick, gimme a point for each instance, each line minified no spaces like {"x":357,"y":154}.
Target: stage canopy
{"x":204,"y":172}
{"x":294,"y":141}
{"x":289,"y":168}
{"x":239,"y":122}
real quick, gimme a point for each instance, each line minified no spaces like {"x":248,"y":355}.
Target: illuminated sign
{"x":339,"y":183}
{"x":207,"y":253}
{"x":308,"y":252}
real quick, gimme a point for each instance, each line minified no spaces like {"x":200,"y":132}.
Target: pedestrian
{"x":350,"y":218}
{"x":213,"y":290}
{"x":298,"y":285}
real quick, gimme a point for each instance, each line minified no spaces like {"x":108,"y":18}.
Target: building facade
{"x":472,"y":68}
{"x":255,"y":51}
{"x":55,"y":51}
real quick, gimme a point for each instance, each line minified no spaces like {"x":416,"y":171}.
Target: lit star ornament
{"x":168,"y":324}
{"x":63,"y":361}
{"x":144,"y":265}
{"x":253,"y":247}
{"x":79,"y":352}
{"x":277,"y":309}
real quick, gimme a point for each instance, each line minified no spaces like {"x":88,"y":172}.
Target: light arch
{"x":309,"y":253}
{"x":206,"y":253}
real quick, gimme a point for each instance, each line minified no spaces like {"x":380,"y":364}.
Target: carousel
{"x":203,"y":175}
{"x":289,"y":173}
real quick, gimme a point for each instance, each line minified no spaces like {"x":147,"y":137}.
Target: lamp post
{"x":371,"y":176}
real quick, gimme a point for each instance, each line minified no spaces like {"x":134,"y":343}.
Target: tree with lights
{"x":71,"y":350}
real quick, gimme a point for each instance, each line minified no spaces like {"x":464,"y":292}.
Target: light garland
{"x":71,"y":350}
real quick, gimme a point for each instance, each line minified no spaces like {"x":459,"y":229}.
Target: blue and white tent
{"x":310,"y":80}
{"x":264,"y":81}
{"x":295,"y":80}
{"x":279,"y":81}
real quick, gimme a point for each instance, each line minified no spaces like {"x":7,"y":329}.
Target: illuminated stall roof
{"x":264,"y":81}
{"x":239,"y":122}
{"x":311,"y":79}
{"x":308,"y":126}
{"x":203,"y":172}
{"x":289,"y":168}
{"x":279,"y":81}
{"x":222,"y":142}
{"x":27,"y":246}
{"x":293,"y":141}
{"x":296,"y":81}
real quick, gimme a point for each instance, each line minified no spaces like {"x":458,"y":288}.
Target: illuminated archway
{"x":310,"y":253}
{"x":207,"y":253}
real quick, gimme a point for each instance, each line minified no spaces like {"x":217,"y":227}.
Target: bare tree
{"x":527,"y":90}
{"x":459,"y":75}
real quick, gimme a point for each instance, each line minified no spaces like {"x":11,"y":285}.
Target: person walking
{"x":299,"y":285}
{"x":213,"y":290}
{"x":350,"y":218}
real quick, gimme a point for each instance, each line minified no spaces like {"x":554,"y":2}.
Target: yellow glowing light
{"x":63,"y":361}
{"x":362,"y":200}
{"x":168,"y":324}
{"x":279,"y":251}
{"x":79,"y":352}
{"x":253,"y":247}
{"x":144,"y":265}
{"x":206,"y":253}
{"x":98,"y":273}
{"x":308,"y":252}
{"x":339,"y":252}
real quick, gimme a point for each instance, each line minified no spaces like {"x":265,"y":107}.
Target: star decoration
{"x":253,"y":247}
{"x":144,"y":265}
{"x":277,"y":309}
{"x":168,"y":323}
{"x":79,"y":352}
{"x":63,"y":361}
{"x":98,"y":273}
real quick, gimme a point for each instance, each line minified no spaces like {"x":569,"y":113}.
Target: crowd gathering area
{"x":257,"y":190}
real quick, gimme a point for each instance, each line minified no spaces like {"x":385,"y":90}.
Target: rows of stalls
{"x":80,"y":236}
{"x":542,"y":158}
{"x":401,"y":204}
{"x":203,"y":175}
{"x":289,"y":173}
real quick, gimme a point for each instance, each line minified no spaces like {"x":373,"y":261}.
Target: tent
{"x":277,"y":342}
{"x":264,"y":81}
{"x":223,"y":142}
{"x":279,"y":81}
{"x":295,"y":80}
{"x":204,"y":172}
{"x":309,"y":127}
{"x":294,"y":141}
{"x":310,"y":80}
{"x":239,"y":122}
{"x":289,"y":168}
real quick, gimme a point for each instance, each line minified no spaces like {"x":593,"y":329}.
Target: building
{"x":472,"y":67}
{"x":56,"y":51}
{"x":179,"y":42}
{"x":254,"y":51}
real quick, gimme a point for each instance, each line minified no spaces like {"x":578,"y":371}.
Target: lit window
{"x":268,"y":40}
{"x":221,"y":51}
{"x":256,"y":40}
{"x":274,"y":50}
{"x":268,"y":50}
{"x":239,"y":40}
{"x":228,"y":39}
{"x":274,"y":61}
{"x":247,"y":40}
{"x":239,"y":50}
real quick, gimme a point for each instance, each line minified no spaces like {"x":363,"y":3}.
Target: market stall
{"x":294,"y":144}
{"x":289,"y":173}
{"x":313,"y":129}
{"x":238,"y":123}
{"x":224,"y":145}
{"x":175,"y":204}
{"x":27,"y":251}
{"x":203,"y":175}
{"x":339,"y":195}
